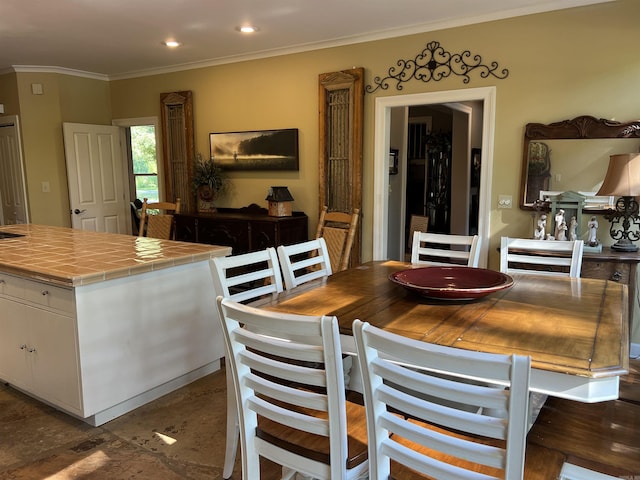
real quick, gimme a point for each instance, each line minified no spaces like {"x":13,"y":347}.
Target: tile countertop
{"x":69,"y":257}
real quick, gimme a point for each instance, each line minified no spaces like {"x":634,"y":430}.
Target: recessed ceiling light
{"x":172,"y":43}
{"x":247,"y":29}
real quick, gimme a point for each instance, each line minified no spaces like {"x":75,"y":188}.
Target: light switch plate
{"x":505,"y":201}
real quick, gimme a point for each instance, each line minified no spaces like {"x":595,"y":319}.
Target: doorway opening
{"x":143,"y":159}
{"x":13,"y":191}
{"x":144,"y":173}
{"x":389,"y":213}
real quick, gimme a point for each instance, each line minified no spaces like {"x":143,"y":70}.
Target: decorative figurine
{"x":559,"y":221}
{"x":593,"y":232}
{"x":540,"y":231}
{"x":562,"y":231}
{"x":573,"y":226}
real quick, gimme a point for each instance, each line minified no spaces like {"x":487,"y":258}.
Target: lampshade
{"x":623,"y":176}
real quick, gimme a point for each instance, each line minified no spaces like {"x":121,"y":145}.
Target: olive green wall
{"x":64,"y":98}
{"x":580,"y":61}
{"x":9,"y":94}
{"x":561,"y":64}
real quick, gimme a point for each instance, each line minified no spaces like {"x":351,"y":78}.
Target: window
{"x":144,"y":162}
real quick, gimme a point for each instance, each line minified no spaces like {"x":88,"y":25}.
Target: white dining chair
{"x":425,"y":417}
{"x":544,"y":257}
{"x":444,"y":249}
{"x":304,"y":262}
{"x":287,"y":375}
{"x":249,"y":278}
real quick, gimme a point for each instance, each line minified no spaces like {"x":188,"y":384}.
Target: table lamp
{"x":623,"y":180}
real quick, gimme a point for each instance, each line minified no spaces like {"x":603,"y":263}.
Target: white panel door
{"x":96,"y":180}
{"x":12,"y":184}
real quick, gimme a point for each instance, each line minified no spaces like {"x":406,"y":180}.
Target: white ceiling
{"x":123,"y":38}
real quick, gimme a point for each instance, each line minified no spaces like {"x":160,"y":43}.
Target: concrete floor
{"x":179,"y":436}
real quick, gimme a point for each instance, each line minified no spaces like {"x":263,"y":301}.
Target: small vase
{"x":205,"y":197}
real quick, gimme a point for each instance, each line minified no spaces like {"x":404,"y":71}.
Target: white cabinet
{"x":14,"y":367}
{"x":38,"y":341}
{"x":102,"y":349}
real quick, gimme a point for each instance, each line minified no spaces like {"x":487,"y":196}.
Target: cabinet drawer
{"x":12,"y":286}
{"x":49,"y":296}
{"x":618,"y":272}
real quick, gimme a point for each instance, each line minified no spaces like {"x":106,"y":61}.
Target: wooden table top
{"x":568,"y":326}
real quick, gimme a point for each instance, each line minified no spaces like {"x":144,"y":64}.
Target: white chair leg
{"x":233,"y":428}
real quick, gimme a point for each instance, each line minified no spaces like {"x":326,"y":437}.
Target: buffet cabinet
{"x":616,"y":266}
{"x":246,"y":229}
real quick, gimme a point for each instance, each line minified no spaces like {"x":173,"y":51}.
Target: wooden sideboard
{"x":620,"y":267}
{"x":245,"y":229}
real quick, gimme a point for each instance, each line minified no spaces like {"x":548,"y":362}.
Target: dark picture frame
{"x":256,"y":149}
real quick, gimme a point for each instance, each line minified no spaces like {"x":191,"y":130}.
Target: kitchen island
{"x":97,"y":324}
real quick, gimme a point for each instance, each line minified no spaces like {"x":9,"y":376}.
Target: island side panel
{"x":140,"y":332}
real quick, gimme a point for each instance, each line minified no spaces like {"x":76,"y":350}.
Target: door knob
{"x":77,"y":211}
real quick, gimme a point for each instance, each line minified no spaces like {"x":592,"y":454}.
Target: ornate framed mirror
{"x":557,"y":158}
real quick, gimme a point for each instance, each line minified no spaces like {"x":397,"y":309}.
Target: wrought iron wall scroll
{"x":435,"y":63}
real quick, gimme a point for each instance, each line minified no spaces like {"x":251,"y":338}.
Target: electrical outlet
{"x":505,"y":201}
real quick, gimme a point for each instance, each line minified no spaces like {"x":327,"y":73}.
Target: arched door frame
{"x":383,"y":106}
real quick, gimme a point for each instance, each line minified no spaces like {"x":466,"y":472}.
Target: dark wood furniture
{"x":604,"y":436}
{"x":621,"y":267}
{"x":245,"y":229}
{"x":575,"y":330}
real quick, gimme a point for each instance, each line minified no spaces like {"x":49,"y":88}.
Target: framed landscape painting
{"x":256,"y":150}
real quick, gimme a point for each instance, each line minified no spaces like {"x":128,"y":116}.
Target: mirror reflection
{"x":573,"y":155}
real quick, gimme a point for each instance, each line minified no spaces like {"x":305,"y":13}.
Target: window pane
{"x":143,"y":149}
{"x":147,"y":187}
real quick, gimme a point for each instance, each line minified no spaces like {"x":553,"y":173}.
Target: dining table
{"x":575,"y":329}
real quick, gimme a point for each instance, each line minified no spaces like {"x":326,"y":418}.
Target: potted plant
{"x":208,"y":182}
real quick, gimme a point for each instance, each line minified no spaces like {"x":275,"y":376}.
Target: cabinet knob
{"x":45,"y":292}
{"x":31,"y":350}
{"x":22,"y":347}
{"x":616,"y":276}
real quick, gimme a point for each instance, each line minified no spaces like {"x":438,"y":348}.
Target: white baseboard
{"x":634,"y":351}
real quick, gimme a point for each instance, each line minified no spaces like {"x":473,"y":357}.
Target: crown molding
{"x":59,"y":70}
{"x":542,"y":7}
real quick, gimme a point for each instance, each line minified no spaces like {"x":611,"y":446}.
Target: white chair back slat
{"x":443,"y":249}
{"x":304,"y":262}
{"x":523,"y":255}
{"x":427,"y":403}
{"x":249,"y":277}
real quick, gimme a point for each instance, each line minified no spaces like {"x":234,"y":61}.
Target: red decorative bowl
{"x":452,"y":283}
